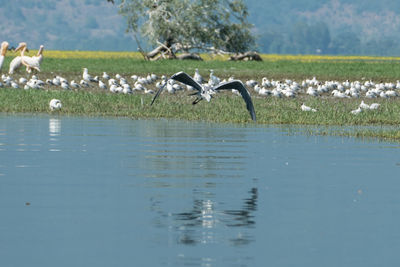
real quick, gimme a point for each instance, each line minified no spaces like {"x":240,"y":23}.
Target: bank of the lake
{"x":224,"y":108}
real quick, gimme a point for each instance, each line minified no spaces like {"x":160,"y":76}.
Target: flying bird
{"x":205,"y":91}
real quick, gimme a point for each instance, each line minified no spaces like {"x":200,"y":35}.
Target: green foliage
{"x":198,"y":24}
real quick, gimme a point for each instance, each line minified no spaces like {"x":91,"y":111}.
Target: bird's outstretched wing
{"x":180,"y":77}
{"x":186,"y":79}
{"x":158,"y":92}
{"x":238,"y":85}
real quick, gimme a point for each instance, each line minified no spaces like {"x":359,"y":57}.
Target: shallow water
{"x":118,"y":192}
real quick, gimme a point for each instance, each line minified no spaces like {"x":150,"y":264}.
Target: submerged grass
{"x":224,"y":107}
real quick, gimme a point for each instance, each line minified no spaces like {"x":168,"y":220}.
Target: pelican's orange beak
{"x":20,"y":46}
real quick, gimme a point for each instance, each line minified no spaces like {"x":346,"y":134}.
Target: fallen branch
{"x":248,"y":56}
{"x":191,"y":56}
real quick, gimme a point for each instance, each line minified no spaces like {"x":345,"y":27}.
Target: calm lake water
{"x":119,"y":192}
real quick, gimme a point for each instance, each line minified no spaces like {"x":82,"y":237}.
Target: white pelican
{"x":55,"y":104}
{"x":17,"y":62}
{"x":307,"y":108}
{"x":39,"y":55}
{"x":29,"y":62}
{"x":3,"y":51}
{"x":206,"y":92}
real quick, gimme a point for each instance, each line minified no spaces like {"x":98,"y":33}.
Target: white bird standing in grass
{"x":3,"y":51}
{"x":307,"y":108}
{"x":356,"y":111}
{"x":74,"y":84}
{"x":374,"y":106}
{"x":86,"y":76}
{"x":39,"y":55}
{"x":65,"y":86}
{"x":23,"y":80}
{"x":106,"y":76}
{"x":102,"y":85}
{"x":17,"y":62}
{"x":84,"y":83}
{"x":55,"y":104}
{"x":197,"y":77}
{"x":363,"y":105}
{"x":214,"y":80}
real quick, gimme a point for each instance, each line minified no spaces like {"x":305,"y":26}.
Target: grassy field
{"x":223,"y":108}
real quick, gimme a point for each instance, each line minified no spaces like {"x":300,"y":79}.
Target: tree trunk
{"x":162,"y":51}
{"x":191,"y":56}
{"x":246,"y":56}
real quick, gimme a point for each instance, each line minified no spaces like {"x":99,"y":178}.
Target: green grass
{"x":323,"y":70}
{"x":224,"y":107}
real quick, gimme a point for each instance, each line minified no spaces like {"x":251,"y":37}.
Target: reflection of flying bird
{"x":206,"y":92}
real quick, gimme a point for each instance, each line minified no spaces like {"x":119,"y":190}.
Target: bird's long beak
{"x":19,"y":47}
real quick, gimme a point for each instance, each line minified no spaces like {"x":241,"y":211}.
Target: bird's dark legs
{"x":197,"y":100}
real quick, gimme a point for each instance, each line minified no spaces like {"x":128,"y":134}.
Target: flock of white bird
{"x":148,"y":84}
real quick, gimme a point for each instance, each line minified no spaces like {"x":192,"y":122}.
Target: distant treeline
{"x":303,"y":38}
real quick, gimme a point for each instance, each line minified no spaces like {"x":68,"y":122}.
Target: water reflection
{"x":54,"y":132}
{"x":54,"y":127}
{"x":151,"y":193}
{"x":205,"y":219}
